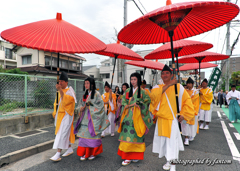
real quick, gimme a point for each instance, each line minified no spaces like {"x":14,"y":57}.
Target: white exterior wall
{"x":93,"y":71}
{"x":4,"y":61}
{"x":34,"y":53}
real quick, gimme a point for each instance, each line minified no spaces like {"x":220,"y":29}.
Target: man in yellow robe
{"x":64,"y":116}
{"x":167,"y":139}
{"x":189,"y":129}
{"x":206,"y":98}
{"x":110,"y":104}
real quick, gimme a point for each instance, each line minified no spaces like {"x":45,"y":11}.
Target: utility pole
{"x":228,"y":52}
{"x":123,"y":66}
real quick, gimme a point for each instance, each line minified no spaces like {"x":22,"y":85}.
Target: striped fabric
{"x":181,"y":47}
{"x":54,"y":35}
{"x":202,"y":57}
{"x":194,"y":66}
{"x":147,"y":64}
{"x":187,"y":19}
{"x":122,"y":52}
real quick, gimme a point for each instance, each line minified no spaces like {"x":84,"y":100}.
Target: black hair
{"x":92,"y":87}
{"x":127,"y":86}
{"x":117,"y":91}
{"x":139,"y":82}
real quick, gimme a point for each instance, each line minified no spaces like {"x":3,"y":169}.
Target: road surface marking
{"x":231,"y":125}
{"x":219,"y":115}
{"x":232,"y":146}
{"x":237,"y":135}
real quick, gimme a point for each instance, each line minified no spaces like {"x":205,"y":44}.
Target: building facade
{"x":7,"y":57}
{"x":38,"y":62}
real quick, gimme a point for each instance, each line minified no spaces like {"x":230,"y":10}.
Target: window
{"x":26,"y":59}
{"x":91,"y":76}
{"x":105,"y":75}
{"x":64,"y":64}
{"x":120,"y":74}
{"x":8,"y":53}
{"x":47,"y":61}
{"x":107,"y":64}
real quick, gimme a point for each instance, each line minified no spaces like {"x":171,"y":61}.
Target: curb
{"x":24,"y":153}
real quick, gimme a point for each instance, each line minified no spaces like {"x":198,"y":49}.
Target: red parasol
{"x":54,"y":35}
{"x":178,"y":21}
{"x":202,"y":57}
{"x":195,"y":66}
{"x":147,"y":64}
{"x":181,"y":48}
{"x":116,"y":50}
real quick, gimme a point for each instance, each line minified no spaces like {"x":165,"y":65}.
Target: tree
{"x":235,"y":78}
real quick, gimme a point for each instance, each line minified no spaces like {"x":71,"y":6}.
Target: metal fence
{"x":25,"y":94}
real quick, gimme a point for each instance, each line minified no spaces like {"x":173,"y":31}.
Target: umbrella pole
{"x":153,"y":77}
{"x":144,"y":72}
{"x":114,"y":69}
{"x":174,"y":71}
{"x":57,"y":80}
{"x":196,"y":76}
{"x":199,"y":73}
{"x":178,"y":73}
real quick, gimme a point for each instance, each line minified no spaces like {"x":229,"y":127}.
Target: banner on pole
{"x":214,"y":78}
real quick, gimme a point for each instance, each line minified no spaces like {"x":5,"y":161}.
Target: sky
{"x":100,"y":18}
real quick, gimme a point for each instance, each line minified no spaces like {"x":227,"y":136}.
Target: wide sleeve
{"x":156,"y":95}
{"x":124,"y":100}
{"x":196,"y":102}
{"x":113,"y":103}
{"x":54,"y":109}
{"x":187,"y":109}
{"x":68,"y":104}
{"x":208,"y":97}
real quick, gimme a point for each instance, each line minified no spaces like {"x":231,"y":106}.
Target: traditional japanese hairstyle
{"x":127,"y":86}
{"x":92,"y":87}
{"x":139,"y":82}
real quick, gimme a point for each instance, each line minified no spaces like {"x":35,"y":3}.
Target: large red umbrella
{"x":195,"y":66}
{"x":116,"y":50}
{"x":54,"y":35}
{"x":147,"y":64}
{"x":181,"y":48}
{"x":202,"y":57}
{"x":178,"y":21}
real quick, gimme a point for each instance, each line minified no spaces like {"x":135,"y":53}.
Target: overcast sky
{"x":99,"y":18}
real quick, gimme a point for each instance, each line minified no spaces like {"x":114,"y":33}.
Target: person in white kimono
{"x":110,"y":105}
{"x":167,"y":139}
{"x":233,"y":99}
{"x":64,"y":116}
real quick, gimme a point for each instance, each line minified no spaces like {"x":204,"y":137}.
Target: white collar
{"x":134,"y":89}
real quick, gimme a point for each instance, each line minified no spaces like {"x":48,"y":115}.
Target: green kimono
{"x":135,"y":123}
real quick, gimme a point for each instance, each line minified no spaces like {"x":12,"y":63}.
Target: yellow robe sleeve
{"x":68,"y":104}
{"x":206,"y":99}
{"x":155,"y":95}
{"x":187,"y":109}
{"x":195,"y":100}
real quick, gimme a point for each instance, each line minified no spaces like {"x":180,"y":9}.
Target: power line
{"x":142,"y":6}
{"x":138,"y":7}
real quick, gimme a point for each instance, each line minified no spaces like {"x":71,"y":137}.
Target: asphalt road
{"x":209,"y":146}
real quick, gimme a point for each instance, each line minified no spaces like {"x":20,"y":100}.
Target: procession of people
{"x":131,"y":111}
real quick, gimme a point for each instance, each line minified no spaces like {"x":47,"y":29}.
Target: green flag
{"x":214,"y":78}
